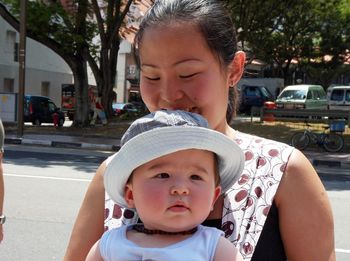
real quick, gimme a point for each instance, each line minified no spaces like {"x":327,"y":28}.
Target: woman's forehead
{"x":172,"y":42}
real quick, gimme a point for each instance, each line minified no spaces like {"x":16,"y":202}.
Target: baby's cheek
{"x":158,"y":197}
{"x":157,"y":194}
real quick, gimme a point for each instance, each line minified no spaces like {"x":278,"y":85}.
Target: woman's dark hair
{"x":213,"y":21}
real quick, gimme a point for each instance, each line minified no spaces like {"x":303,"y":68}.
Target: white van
{"x":302,"y":96}
{"x":339,"y":98}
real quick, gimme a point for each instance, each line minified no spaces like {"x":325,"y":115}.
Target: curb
{"x":332,"y":171}
{"x":60,"y":144}
{"x":329,"y":163}
{"x":339,"y":168}
{"x":323,"y":166}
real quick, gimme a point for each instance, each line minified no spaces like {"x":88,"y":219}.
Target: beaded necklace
{"x":141,"y":228}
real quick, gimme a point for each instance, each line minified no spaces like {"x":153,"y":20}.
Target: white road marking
{"x":46,"y":177}
{"x":345,"y":251}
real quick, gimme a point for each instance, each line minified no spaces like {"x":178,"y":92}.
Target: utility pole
{"x":22,"y":63}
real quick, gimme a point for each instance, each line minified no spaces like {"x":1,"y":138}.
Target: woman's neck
{"x":229,"y":132}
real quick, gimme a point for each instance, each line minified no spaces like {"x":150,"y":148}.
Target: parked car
{"x":121,"y":108}
{"x":302,"y":96}
{"x":253,"y":96}
{"x":40,"y":109}
{"x":339,"y":98}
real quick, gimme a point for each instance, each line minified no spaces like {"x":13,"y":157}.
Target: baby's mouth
{"x":178,"y":208}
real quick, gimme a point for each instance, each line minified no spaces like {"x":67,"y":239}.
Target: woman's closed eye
{"x":187,"y":76}
{"x":152,"y":78}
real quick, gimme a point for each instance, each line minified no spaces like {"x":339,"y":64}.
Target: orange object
{"x":269,"y":116}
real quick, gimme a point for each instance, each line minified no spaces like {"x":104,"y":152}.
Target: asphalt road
{"x":45,"y":187}
{"x":44,"y":190}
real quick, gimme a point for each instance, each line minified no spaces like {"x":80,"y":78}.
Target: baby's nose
{"x":179,"y":190}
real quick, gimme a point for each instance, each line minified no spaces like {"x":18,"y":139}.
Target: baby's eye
{"x":163,"y":175}
{"x":196,"y":177}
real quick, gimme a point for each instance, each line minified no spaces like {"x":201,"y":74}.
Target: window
{"x":45,"y":89}
{"x":252,"y":91}
{"x":322,"y":95}
{"x":347,"y":95}
{"x":16,"y":52}
{"x":309,"y":95}
{"x":337,"y":95}
{"x":319,"y":95}
{"x":11,"y":44}
{"x":52,"y":107}
{"x":9,"y":85}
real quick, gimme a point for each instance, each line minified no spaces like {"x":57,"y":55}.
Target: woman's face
{"x":179,"y":71}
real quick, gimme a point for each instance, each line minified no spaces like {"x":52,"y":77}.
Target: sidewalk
{"x":63,"y":141}
{"x":329,"y":163}
{"x":324,"y":162}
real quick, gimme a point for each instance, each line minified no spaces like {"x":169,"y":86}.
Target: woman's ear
{"x":129,"y":196}
{"x":236,"y":68}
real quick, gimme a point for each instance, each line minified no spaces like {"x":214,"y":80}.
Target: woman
{"x":279,"y":208}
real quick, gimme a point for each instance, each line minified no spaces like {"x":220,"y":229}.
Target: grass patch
{"x":283,"y":131}
{"x":114,"y":129}
{"x":278,"y":130}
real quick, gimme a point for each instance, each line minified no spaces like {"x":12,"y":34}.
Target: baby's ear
{"x":217,"y":194}
{"x":129,"y":196}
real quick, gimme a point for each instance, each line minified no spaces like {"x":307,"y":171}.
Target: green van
{"x":303,"y":96}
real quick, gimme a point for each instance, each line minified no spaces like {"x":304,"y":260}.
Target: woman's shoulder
{"x":258,"y":145}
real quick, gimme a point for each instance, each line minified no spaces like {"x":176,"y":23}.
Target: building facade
{"x":45,"y":71}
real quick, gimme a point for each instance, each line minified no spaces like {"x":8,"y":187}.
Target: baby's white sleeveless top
{"x":114,"y":246}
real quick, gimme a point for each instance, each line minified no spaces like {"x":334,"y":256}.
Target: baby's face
{"x":175,"y":192}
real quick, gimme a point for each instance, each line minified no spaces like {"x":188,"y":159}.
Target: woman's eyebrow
{"x":149,"y":65}
{"x":189,"y":60}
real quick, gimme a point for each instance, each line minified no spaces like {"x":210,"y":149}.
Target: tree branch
{"x":119,"y":21}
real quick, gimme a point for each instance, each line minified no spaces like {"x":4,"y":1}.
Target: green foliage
{"x":48,"y":20}
{"x":306,"y":30}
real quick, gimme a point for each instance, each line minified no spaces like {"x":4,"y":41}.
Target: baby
{"x":171,"y":169}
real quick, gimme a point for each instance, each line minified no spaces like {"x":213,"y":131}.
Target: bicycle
{"x":331,"y":142}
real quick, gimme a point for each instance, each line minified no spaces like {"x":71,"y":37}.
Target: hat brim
{"x":162,"y":141}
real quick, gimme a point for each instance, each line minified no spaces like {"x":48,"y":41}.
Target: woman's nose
{"x":171,"y":92}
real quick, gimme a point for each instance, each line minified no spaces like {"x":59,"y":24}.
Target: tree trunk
{"x":81,"y":117}
{"x":106,"y":83}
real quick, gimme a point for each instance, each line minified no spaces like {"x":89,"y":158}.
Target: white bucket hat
{"x":164,"y":132}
